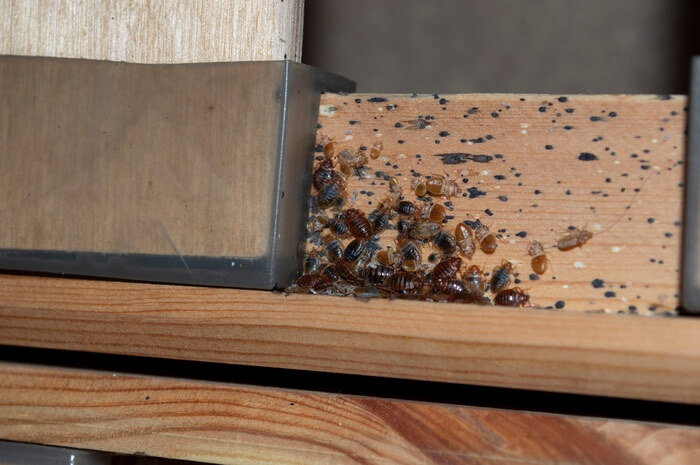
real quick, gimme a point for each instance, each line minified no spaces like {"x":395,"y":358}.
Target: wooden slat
{"x":185,"y":31}
{"x":633,"y":357}
{"x":613,"y":164}
{"x":232,"y":424}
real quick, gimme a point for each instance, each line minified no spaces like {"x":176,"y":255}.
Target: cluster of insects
{"x":347,"y":259}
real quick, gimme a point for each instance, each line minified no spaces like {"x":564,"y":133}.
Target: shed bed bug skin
{"x":487,"y":241}
{"x":500,"y":278}
{"x":376,"y":150}
{"x":514,"y":297}
{"x":573,"y":239}
{"x":329,"y":148}
{"x":349,"y":159}
{"x":539,"y":260}
{"x":358,"y":224}
{"x":389,"y":257}
{"x":439,"y":185}
{"x":423,"y":231}
{"x":465,"y":240}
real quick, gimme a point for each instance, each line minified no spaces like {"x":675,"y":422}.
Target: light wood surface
{"x":537,"y":165}
{"x":644,"y":358}
{"x":145,"y":31}
{"x":233,"y":424}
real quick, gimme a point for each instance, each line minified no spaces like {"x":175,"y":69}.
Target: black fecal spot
{"x":587,"y":156}
{"x":598,"y":283}
{"x":569,"y":110}
{"x":542,"y":109}
{"x":650,"y":220}
{"x":358,"y":100}
{"x":537,"y":192}
{"x":498,"y":155}
{"x":437,"y":141}
{"x":500,"y":177}
{"x":612,"y":114}
{"x":548,"y":147}
{"x":559,"y":304}
{"x":457,"y":158}
{"x":521,"y":234}
{"x":609,"y":294}
{"x":465,"y":180}
{"x":568,"y":192}
{"x":568,"y":128}
{"x":563,"y":99}
{"x":443,"y":101}
{"x":478,"y":140}
{"x":494,"y":114}
{"x":503,"y":198}
{"x":474,"y":192}
{"x":668,"y":234}
{"x":596,"y":118}
{"x":533,"y":277}
{"x":353,"y":122}
{"x":376,"y":99}
{"x":400,"y":141}
{"x":663,"y":97}
{"x":398,"y":125}
{"x":444,"y":134}
{"x":488,"y":212}
{"x":463,"y":140}
{"x":318,"y":148}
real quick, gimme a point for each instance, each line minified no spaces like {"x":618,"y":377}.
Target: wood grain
{"x":532,"y":166}
{"x":231,"y":424}
{"x":147,"y":31}
{"x":623,"y":356}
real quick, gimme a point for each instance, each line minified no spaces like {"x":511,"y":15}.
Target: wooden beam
{"x":531,"y":166}
{"x":621,"y":356}
{"x":231,"y":424}
{"x":184,"y":31}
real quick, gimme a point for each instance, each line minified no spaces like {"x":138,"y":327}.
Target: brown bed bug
{"x":500,"y":277}
{"x":405,"y":282}
{"x":436,"y":213}
{"x":445,"y":242}
{"x":539,"y":260}
{"x":409,"y":251}
{"x":474,"y":281}
{"x":378,"y":274}
{"x":332,"y":248}
{"x":465,"y":240}
{"x":487,"y":241}
{"x":439,"y":186}
{"x":574,"y":238}
{"x":449,"y":286}
{"x":514,"y":297}
{"x":447,"y":268}
{"x":358,"y":224}
{"x":376,"y":150}
{"x":329,"y":195}
{"x":329,"y":147}
{"x":407,"y":208}
{"x":314,"y":282}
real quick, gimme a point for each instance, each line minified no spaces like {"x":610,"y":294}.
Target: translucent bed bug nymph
{"x":574,"y":238}
{"x":539,"y":260}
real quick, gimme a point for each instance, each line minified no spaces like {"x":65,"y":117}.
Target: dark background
{"x":529,"y":46}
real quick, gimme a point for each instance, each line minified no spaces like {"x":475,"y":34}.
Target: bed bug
{"x":402,"y":226}
{"x":445,"y":242}
{"x":354,"y":250}
{"x":348,"y":271}
{"x":409,"y":251}
{"x":487,"y":241}
{"x":575,"y":238}
{"x":449,"y":286}
{"x":328,"y":196}
{"x":447,"y":268}
{"x":405,"y":282}
{"x":408,"y":208}
{"x":539,"y":260}
{"x":376,"y":150}
{"x":379,"y":221}
{"x":441,"y":186}
{"x":378,"y":274}
{"x":436,"y":213}
{"x":322,"y":174}
{"x":500,"y":278}
{"x":358,"y":224}
{"x":337,"y":225}
{"x":465,"y":240}
{"x":331,"y":271}
{"x":333,"y":249}
{"x":514,"y":297}
{"x":474,"y":281}
{"x":389,"y":258}
{"x":314,"y":282}
{"x":419,"y":187}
